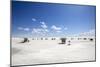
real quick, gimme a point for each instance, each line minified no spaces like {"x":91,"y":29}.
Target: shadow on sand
{"x":15,"y":51}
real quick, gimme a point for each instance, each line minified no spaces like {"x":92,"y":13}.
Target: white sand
{"x":50,"y":51}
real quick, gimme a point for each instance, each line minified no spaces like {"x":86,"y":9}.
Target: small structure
{"x":84,"y":38}
{"x":79,"y":38}
{"x":63,"y":41}
{"x":46,"y":38}
{"x":69,"y":42}
{"x":25,"y":40}
{"x":53,"y":39}
{"x":91,"y":39}
{"x":72,"y":38}
{"x":41,"y":38}
{"x":33,"y":39}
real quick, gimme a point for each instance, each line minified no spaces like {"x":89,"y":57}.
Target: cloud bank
{"x":23,"y":29}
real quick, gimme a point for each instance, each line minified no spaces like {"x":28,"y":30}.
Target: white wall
{"x":89,"y":2}
{"x":5,"y":32}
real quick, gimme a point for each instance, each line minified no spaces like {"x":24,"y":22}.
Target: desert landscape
{"x":46,"y":33}
{"x":48,"y":50}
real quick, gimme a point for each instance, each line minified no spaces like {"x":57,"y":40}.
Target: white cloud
{"x":33,"y":19}
{"x":24,"y":29}
{"x":20,"y":28}
{"x":46,"y":30}
{"x":36,"y":30}
{"x":89,"y":33}
{"x":65,"y":28}
{"x":39,"y":30}
{"x":58,"y":31}
{"x":55,"y":28}
{"x":43,"y":25}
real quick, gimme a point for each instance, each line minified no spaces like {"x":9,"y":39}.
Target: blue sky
{"x":34,"y":19}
